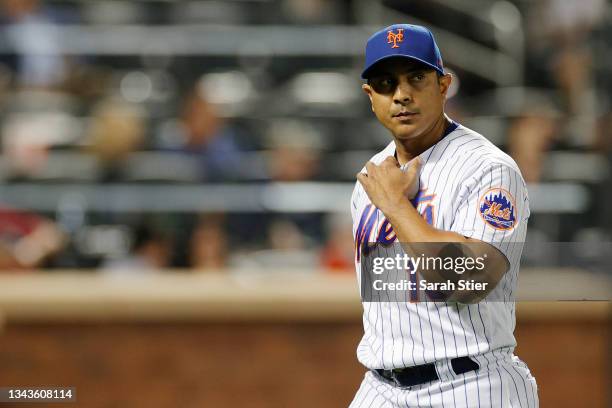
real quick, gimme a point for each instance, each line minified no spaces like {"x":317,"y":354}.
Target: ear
{"x":445,"y":81}
{"x":368,"y":90}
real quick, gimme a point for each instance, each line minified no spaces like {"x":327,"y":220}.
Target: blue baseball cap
{"x":403,"y":40}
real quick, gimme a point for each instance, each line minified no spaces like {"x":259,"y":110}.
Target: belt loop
{"x":444,"y":369}
{"x":394,"y":378}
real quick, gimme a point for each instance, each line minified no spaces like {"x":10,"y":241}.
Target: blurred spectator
{"x":529,"y":138}
{"x":284,"y":235}
{"x":30,"y":30}
{"x":559,"y":34}
{"x":295,"y":151}
{"x":203,"y":135}
{"x":287,"y":248}
{"x":117,"y":128}
{"x":209,"y":244}
{"x":40,"y":126}
{"x":151,"y":250}
{"x":314,"y":11}
{"x":338,"y":255}
{"x":559,"y":58}
{"x":28,"y":136}
{"x":27,"y":240}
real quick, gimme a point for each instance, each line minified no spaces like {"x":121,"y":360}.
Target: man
{"x":442,"y":183}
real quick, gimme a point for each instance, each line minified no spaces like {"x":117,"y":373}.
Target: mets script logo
{"x":394,"y":38}
{"x":370,"y":226}
{"x":497,"y":209}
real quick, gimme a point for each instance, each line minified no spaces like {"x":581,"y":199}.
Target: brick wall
{"x":261,"y":364}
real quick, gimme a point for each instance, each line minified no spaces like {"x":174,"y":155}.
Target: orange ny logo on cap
{"x":394,"y":38}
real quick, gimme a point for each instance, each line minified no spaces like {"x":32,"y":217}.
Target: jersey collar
{"x":452,"y":126}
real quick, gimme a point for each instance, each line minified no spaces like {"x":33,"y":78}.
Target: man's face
{"x":407,"y":97}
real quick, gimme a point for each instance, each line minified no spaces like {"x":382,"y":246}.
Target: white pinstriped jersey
{"x":469,"y":186}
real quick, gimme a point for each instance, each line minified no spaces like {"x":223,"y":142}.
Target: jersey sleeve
{"x":493,"y":207}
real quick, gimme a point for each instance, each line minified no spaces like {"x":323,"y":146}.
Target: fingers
{"x":363,"y":179}
{"x":370,"y":168}
{"x":366,"y":178}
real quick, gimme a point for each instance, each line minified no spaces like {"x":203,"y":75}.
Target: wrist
{"x":396,"y":208}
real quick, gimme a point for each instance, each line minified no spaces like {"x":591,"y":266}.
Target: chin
{"x":407,"y":132}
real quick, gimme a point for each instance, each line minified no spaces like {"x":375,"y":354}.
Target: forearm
{"x":419,"y":238}
{"x":410,"y":227}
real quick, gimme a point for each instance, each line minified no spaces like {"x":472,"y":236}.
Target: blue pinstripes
{"x":378,"y":395}
{"x":433,"y":340}
{"x":368,"y":393}
{"x":435,"y":188}
{"x":514,"y":382}
{"x":402,"y":343}
{"x":522,"y":378}
{"x":390,"y":318}
{"x":410,"y":333}
{"x":380,"y":305}
{"x":463,"y":172}
{"x":501,"y":388}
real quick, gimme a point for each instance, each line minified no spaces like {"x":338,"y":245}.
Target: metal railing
{"x":298,"y":197}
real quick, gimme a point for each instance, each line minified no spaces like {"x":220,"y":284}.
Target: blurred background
{"x":175,"y":180}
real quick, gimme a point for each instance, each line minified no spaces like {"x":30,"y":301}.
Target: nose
{"x":403,"y":92}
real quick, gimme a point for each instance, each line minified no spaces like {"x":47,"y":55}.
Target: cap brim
{"x":364,"y":74}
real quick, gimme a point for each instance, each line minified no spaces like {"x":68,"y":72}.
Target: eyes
{"x":385,"y":84}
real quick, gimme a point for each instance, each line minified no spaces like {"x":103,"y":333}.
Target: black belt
{"x":410,"y":376}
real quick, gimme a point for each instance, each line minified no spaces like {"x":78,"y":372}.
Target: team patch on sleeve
{"x":497,"y":209}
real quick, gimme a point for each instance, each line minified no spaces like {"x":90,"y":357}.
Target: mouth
{"x":405,"y":115}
